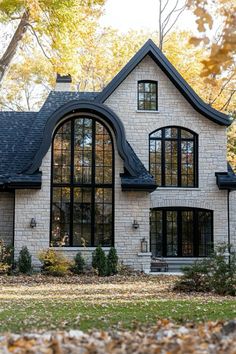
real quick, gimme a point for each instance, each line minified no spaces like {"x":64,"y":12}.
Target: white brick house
{"x":143,"y":159}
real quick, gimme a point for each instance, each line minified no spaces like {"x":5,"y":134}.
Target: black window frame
{"x":144,"y":92}
{"x":179,"y":140}
{"x":72,"y":184}
{"x":196,"y":236}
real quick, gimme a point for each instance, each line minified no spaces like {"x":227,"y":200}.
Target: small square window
{"x":147,"y":96}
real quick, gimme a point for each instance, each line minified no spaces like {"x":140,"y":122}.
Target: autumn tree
{"x":231,"y":148}
{"x":101,"y":55}
{"x":54,"y":24}
{"x":222,"y":47}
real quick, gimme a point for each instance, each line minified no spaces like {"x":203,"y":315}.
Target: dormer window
{"x":147,"y":95}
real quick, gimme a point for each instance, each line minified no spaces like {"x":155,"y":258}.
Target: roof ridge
{"x":150,"y":48}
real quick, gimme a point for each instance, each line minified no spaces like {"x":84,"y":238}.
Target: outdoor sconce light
{"x":144,"y":246}
{"x":33,"y":223}
{"x":135,"y":224}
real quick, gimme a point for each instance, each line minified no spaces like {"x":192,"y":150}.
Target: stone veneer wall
{"x":173,"y":110}
{"x":232,"y":201}
{"x":128,"y":206}
{"x":6,"y":217}
{"x":30,"y":203}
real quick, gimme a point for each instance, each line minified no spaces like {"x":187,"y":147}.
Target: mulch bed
{"x":165,"y":337}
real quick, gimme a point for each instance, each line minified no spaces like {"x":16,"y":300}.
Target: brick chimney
{"x":63,"y":82}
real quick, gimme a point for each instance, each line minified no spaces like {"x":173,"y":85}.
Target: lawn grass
{"x":49,"y":315}
{"x":29,"y":307}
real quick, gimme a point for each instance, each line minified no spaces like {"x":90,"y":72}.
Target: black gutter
{"x":229,"y":235}
{"x":226,"y":180}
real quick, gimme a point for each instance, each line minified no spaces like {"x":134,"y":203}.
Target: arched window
{"x":173,"y":157}
{"x":82,"y":184}
{"x":181,"y":232}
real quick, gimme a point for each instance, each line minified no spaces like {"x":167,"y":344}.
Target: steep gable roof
{"x":160,"y":59}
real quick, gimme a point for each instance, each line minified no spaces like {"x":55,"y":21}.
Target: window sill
{"x":144,"y":254}
{"x":77,"y":248}
{"x":179,"y":188}
{"x":146,"y":111}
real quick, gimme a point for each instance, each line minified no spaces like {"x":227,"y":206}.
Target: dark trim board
{"x":135,"y":172}
{"x":21,"y":181}
{"x":226,"y":180}
{"x":87,"y":107}
{"x":155,"y":53}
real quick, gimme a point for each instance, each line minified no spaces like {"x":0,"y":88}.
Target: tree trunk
{"x":160,"y":39}
{"x":12,"y":47}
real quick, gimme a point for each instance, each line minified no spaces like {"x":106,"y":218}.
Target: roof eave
{"x":226,"y":181}
{"x":151,"y":49}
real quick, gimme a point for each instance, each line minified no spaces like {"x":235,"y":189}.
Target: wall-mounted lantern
{"x":135,"y":224}
{"x":144,"y":245}
{"x":33,"y":223}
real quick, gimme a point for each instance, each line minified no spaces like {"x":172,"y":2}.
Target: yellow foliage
{"x":222,"y":51}
{"x":54,"y":263}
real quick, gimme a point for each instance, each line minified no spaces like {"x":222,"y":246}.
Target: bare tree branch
{"x":38,"y":41}
{"x":176,"y":19}
{"x":222,"y":89}
{"x":165,"y":24}
{"x":225,"y":106}
{"x":164,"y":7}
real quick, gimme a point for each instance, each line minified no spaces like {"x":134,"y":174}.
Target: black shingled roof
{"x":14,"y":127}
{"x":21,"y":137}
{"x":21,"y":133}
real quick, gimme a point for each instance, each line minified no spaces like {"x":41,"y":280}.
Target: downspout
{"x":229,"y":236}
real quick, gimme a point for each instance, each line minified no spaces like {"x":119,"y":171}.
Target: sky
{"x":141,"y":14}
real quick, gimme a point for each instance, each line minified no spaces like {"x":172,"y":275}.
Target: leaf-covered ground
{"x":42,"y":303}
{"x":163,"y":338}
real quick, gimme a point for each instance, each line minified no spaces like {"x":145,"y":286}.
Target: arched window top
{"x":173,"y":157}
{"x":77,"y":143}
{"x":173,"y":132}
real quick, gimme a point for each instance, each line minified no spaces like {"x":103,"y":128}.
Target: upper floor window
{"x":173,"y":157}
{"x":82,"y":184}
{"x":147,"y":96}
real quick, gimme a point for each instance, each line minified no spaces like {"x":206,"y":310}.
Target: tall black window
{"x":147,"y":96}
{"x":82,"y":184}
{"x":181,"y":232}
{"x":173,"y":157}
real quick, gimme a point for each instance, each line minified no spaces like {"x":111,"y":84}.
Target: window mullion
{"x":179,"y":232}
{"x":93,"y":183}
{"x":72,"y":184}
{"x":179,"y":157}
{"x":195,"y":234}
{"x":163,"y":172}
{"x":164,"y":234}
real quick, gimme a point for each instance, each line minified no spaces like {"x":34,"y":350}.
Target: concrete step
{"x":174,"y":264}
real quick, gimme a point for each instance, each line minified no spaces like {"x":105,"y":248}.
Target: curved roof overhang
{"x":134,"y":169}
